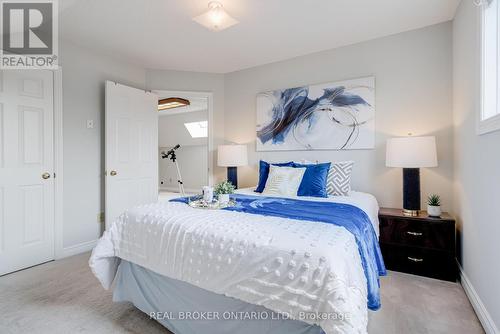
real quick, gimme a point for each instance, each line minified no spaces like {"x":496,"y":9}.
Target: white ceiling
{"x":160,"y":34}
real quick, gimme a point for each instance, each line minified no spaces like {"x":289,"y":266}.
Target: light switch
{"x":90,"y":124}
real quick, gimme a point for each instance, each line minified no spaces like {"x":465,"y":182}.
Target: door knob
{"x":113,"y":173}
{"x":46,"y":176}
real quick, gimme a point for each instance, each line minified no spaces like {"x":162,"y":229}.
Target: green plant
{"x":225,"y":187}
{"x":434,"y":200}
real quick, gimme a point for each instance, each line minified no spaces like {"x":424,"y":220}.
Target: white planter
{"x":224,"y":198}
{"x":434,"y":211}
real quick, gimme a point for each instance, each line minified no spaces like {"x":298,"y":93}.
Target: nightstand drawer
{"x":419,"y":261}
{"x":426,"y":234}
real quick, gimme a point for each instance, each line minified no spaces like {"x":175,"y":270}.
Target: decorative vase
{"x":434,"y":211}
{"x":224,"y":198}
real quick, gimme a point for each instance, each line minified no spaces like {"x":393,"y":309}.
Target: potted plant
{"x":434,"y":205}
{"x":223,"y":190}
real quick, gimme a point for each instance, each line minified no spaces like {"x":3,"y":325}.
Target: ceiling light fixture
{"x":172,"y":102}
{"x":216,"y":18}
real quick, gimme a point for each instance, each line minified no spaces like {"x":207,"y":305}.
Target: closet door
{"x":26,"y":169}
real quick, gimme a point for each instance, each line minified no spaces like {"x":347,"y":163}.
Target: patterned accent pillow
{"x":338,"y":182}
{"x":264,"y":172}
{"x":283,"y":181}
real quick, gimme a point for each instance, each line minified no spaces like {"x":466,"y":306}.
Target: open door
{"x":131,"y":149}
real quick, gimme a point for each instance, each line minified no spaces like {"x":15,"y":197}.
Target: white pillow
{"x":283,"y":181}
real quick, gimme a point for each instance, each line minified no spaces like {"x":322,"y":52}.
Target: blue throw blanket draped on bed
{"x":350,"y":217}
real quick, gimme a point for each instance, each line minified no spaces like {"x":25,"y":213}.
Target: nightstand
{"x":420,"y":245}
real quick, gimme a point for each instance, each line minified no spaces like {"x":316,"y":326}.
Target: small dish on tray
{"x":199,"y":203}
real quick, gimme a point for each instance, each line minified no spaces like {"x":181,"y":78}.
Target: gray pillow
{"x":338,"y":182}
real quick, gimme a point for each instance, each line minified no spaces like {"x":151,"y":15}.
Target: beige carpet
{"x":64,"y":297}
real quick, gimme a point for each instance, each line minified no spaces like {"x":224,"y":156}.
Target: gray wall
{"x":477,"y":168}
{"x":192,"y":156}
{"x":84,"y":74}
{"x":413,"y":94}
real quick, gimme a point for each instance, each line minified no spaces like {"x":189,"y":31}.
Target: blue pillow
{"x":264,"y":173}
{"x":314,"y":181}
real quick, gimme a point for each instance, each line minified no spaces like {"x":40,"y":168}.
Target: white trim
{"x":211,"y":148}
{"x":210,"y":97}
{"x":491,"y":124}
{"x":58,"y":164}
{"x":481,"y":311}
{"x":176,"y":190}
{"x":488,"y":125}
{"x":78,"y":249}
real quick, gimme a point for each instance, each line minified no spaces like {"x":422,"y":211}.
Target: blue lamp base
{"x":232,"y":176}
{"x":411,"y":191}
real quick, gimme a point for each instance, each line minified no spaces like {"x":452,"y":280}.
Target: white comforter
{"x":288,"y":266}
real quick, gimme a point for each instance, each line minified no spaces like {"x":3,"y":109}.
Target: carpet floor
{"x":64,"y":297}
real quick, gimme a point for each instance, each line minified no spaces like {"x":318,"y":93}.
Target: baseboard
{"x":78,"y":249}
{"x":176,"y":190}
{"x":481,"y":311}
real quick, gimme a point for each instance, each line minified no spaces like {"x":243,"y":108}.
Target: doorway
{"x":133,"y":150}
{"x":184,"y":127}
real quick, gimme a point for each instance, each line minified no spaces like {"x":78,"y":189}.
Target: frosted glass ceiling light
{"x":216,"y":18}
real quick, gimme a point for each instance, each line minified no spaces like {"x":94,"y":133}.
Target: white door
{"x":26,"y":169}
{"x":131,"y":149}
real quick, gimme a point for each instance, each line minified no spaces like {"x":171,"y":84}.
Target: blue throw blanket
{"x":350,"y":217}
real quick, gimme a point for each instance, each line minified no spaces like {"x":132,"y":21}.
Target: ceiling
{"x":160,"y":34}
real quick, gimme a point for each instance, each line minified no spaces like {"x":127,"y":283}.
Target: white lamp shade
{"x":232,"y":155}
{"x":411,"y":152}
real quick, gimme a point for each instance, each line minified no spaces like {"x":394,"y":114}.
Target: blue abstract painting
{"x":333,"y":116}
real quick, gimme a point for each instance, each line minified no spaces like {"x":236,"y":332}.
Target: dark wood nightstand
{"x":419,"y":245}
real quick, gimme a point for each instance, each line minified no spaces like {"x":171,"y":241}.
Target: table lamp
{"x":411,"y":154}
{"x":232,"y":156}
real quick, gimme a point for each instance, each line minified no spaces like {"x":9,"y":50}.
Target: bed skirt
{"x":185,"y":309}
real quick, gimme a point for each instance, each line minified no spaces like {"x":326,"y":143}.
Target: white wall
{"x":192,"y":155}
{"x":171,"y":129}
{"x":193,"y":164}
{"x":84,"y":74}
{"x":413,"y":94}
{"x":477,"y":168}
{"x":196,"y":82}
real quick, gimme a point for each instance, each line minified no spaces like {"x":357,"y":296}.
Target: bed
{"x":268,"y":265}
